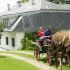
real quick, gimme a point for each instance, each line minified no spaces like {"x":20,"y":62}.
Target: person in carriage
{"x":44,"y":37}
{"x":48,"y":36}
{"x":40,"y":35}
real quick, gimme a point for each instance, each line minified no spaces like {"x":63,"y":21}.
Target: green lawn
{"x":20,"y":54}
{"x":65,"y":67}
{"x":7,"y":63}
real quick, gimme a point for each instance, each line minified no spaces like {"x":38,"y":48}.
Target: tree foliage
{"x":2,"y":26}
{"x":27,"y":40}
{"x":55,"y":1}
{"x":24,"y":1}
{"x":60,"y":1}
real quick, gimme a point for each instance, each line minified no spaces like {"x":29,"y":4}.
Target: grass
{"x":7,"y":63}
{"x":20,"y":54}
{"x":43,"y":60}
{"x":65,"y":67}
{"x":24,"y":55}
{"x":17,"y":51}
{"x":27,"y":50}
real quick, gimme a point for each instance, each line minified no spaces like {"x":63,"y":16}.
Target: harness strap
{"x":64,"y":38}
{"x":56,"y":50}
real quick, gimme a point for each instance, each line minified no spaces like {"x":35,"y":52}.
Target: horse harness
{"x":61,"y":44}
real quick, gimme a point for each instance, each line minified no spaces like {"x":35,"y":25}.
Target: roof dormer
{"x":33,"y":2}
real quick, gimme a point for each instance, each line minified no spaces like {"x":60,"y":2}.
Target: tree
{"x":60,"y":1}
{"x":27,"y":40}
{"x":2,"y":26}
{"x":24,"y":1}
{"x":55,"y":1}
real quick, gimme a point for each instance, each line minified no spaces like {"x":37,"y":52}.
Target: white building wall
{"x":17,"y":36}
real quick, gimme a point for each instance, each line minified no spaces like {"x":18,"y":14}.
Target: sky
{"x":3,"y":4}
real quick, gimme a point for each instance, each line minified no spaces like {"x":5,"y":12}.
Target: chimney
{"x":32,"y":2}
{"x":19,"y":3}
{"x":8,"y":7}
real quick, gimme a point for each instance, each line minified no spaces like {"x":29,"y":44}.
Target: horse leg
{"x":68,"y":55}
{"x":68,"y":59}
{"x":56,"y":60}
{"x":61,"y":58}
{"x":60,"y":63}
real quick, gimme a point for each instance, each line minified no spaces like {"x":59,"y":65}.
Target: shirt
{"x":40,"y":33}
{"x":48,"y":32}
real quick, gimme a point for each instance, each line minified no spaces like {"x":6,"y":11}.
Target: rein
{"x":56,"y":50}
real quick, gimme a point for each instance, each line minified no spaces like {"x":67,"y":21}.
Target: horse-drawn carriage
{"x":58,"y":47}
{"x":44,"y":48}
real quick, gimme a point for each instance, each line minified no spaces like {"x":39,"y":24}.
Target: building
{"x":28,"y":17}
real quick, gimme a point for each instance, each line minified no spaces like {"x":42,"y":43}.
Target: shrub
{"x":2,"y":26}
{"x":27,"y":40}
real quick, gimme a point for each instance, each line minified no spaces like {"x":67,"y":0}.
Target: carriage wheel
{"x":49,"y":58}
{"x":36,"y":53}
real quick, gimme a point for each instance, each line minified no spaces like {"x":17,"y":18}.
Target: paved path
{"x":24,"y":52}
{"x":33,"y":62}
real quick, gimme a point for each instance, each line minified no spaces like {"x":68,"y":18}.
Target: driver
{"x":40,"y":35}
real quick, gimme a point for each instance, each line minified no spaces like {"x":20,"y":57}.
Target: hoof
{"x":68,"y":65}
{"x":59,"y":68}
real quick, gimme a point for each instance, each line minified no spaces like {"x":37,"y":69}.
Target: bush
{"x":2,"y":26}
{"x":27,"y":41}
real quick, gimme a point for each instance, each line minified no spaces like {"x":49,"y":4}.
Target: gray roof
{"x":33,"y":12}
{"x":35,"y":16}
{"x":57,"y":20}
{"x":27,"y":7}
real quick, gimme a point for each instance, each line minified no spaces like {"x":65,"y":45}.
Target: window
{"x":0,"y":39}
{"x":7,"y":41}
{"x":33,"y":2}
{"x":6,"y":22}
{"x":13,"y":42}
{"x":0,"y":36}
